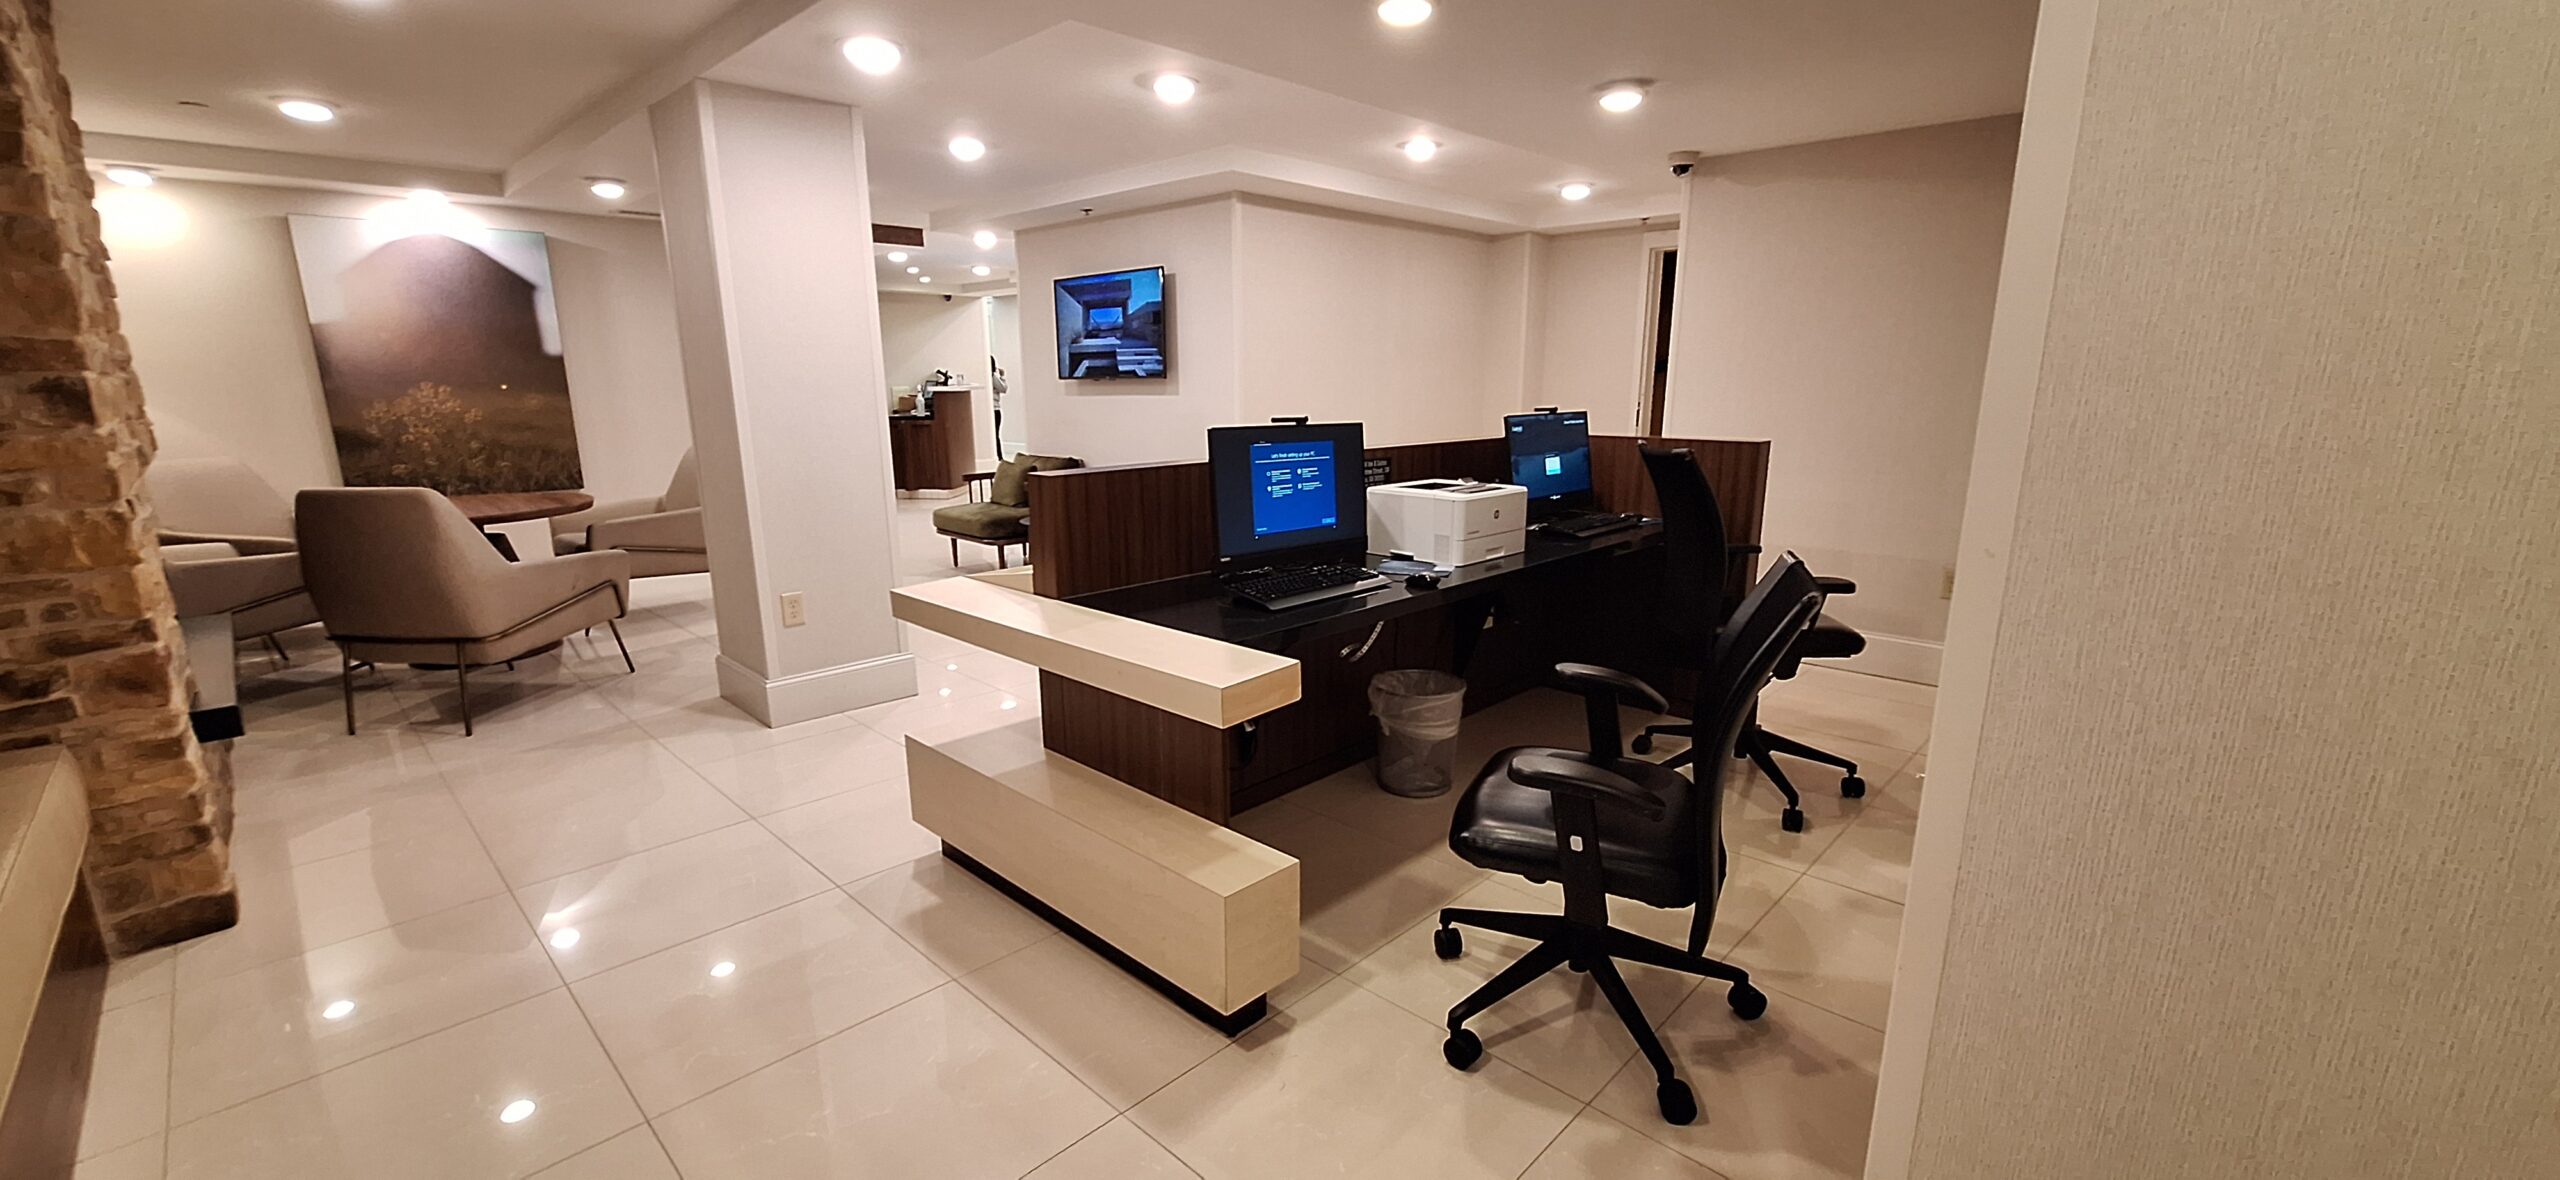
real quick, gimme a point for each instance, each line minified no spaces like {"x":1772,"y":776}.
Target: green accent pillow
{"x":1011,"y":476}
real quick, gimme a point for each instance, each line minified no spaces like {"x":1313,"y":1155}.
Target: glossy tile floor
{"x":626,"y":932}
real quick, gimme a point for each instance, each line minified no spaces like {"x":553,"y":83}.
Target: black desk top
{"x":1198,"y":605}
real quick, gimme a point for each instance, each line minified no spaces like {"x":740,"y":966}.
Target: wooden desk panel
{"x":934,"y":453}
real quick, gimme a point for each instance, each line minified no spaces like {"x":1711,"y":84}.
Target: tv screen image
{"x":1111,"y":325}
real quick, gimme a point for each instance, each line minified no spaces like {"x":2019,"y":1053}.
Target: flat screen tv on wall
{"x":1112,"y":325}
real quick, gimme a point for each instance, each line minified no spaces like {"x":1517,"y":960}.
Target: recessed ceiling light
{"x":915,"y":270}
{"x":985,"y":239}
{"x":982,"y":271}
{"x":1419,"y":149}
{"x":897,"y":256}
{"x":1621,"y":97}
{"x":607,"y":187}
{"x":1575,"y":191}
{"x":928,"y":279}
{"x":129,"y":176}
{"x":516,"y":1111}
{"x":1174,"y":89}
{"x":873,"y":55}
{"x":1404,"y":14}
{"x":723,"y":969}
{"x":967,"y":147}
{"x":303,"y":110}
{"x":338,"y":1010}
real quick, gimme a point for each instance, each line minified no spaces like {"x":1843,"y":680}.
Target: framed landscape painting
{"x":439,"y":353}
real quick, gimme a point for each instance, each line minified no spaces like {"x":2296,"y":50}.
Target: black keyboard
{"x":1288,"y":586}
{"x":1592,"y":524}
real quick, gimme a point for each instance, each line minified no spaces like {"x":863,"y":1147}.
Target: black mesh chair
{"x":1605,"y":825}
{"x":1698,"y":558}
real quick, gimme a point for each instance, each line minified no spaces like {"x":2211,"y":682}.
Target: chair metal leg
{"x":1605,"y":973}
{"x":347,"y":687}
{"x":1534,"y":926}
{"x":1000,"y":556}
{"x":1542,"y":958}
{"x":462,"y":687}
{"x":1781,"y":744}
{"x":1792,"y":819}
{"x":277,"y":646}
{"x":627,"y":665}
{"x":1636,"y":948}
{"x":955,"y":552}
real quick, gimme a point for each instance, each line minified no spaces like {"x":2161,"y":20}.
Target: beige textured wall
{"x":2248,"y":860}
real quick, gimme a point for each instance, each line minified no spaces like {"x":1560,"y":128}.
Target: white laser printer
{"x":1448,"y":522}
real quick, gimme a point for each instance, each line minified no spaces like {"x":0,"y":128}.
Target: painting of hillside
{"x":439,"y":355}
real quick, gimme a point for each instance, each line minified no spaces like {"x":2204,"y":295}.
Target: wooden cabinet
{"x":932,"y":452}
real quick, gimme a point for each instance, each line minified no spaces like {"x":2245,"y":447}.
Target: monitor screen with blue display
{"x":1551,"y":455}
{"x":1112,"y":325}
{"x":1286,"y":487}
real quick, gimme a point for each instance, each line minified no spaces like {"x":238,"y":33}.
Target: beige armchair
{"x":662,"y":535}
{"x":399,"y":574}
{"x":226,"y":543}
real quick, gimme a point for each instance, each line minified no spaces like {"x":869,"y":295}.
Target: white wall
{"x":1835,"y":298}
{"x":213,"y":311}
{"x":922,"y":333}
{"x":1596,"y":313}
{"x":1004,"y":338}
{"x":1135,"y":421}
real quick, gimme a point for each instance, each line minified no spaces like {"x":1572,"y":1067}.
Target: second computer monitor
{"x":1551,"y":456}
{"x":1284,"y":490}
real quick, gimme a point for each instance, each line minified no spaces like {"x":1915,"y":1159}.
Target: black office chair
{"x":1698,"y":559}
{"x":1605,"y":824}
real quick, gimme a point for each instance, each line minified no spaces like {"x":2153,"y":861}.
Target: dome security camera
{"x":1682,"y":162}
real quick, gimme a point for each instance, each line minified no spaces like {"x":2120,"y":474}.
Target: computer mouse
{"x":1421,"y":581}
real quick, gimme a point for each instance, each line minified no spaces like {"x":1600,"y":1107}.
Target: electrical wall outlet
{"x":1947,"y":586}
{"x":793,"y":613}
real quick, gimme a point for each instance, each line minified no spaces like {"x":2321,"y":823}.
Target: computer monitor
{"x":1288,"y":492}
{"x":1551,"y":456}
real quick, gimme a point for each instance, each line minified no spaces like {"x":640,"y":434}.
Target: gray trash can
{"x":1418,"y":713}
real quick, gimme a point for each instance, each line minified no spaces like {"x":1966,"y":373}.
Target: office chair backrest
{"x":1696,"y":562}
{"x":1746,"y":653}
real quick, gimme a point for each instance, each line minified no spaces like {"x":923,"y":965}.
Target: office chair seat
{"x":1510,"y":827}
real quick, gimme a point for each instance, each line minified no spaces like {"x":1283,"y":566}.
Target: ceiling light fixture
{"x":1419,"y":149}
{"x":1575,"y":191}
{"x":966,"y":148}
{"x":723,"y":969}
{"x":516,"y":1111}
{"x":915,"y":270}
{"x":928,"y":279}
{"x":1174,"y":89}
{"x":304,"y":110}
{"x":873,"y":55}
{"x":130,"y":176}
{"x":982,"y":271}
{"x":607,"y":187}
{"x":1618,"y":98}
{"x":338,"y":1010}
{"x":1404,"y":14}
{"x":428,"y":196}
{"x":897,"y":256}
{"x":984,"y":239}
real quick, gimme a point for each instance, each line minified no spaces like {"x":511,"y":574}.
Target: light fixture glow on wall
{"x":1575,"y":191}
{"x":984,"y":239}
{"x":607,"y":187}
{"x":428,"y":196}
{"x":1404,"y":14}
{"x":897,"y":256}
{"x":1174,"y":89}
{"x":304,"y":110}
{"x":965,"y":148}
{"x":873,"y":55}
{"x":1419,"y":149}
{"x":915,"y":270}
{"x":129,"y":176}
{"x":982,"y":271}
{"x":1620,"y":97}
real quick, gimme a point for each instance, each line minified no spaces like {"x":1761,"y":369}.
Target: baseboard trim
{"x":807,"y":696}
{"x":1897,"y":658}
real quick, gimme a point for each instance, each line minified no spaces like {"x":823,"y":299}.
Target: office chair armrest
{"x":1582,"y":678}
{"x":1741,"y":550}
{"x":1547,"y":772}
{"x":1831,"y":586}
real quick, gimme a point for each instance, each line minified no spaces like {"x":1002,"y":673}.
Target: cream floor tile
{"x":129,"y":1078}
{"x":1829,"y":945}
{"x":1825,"y":678}
{"x":631,"y":1155}
{"x":1560,"y":1028}
{"x":1417,"y":827}
{"x":1119,"y":1151}
{"x":694,"y":1017}
{"x":563,"y":809}
{"x":852,"y":835}
{"x":939,"y":1086}
{"x":243,"y":1035}
{"x":1355,"y":892}
{"x":1813,"y":716}
{"x":435,"y":1107}
{"x":1874,"y":855}
{"x":1785,"y":1097}
{"x":1753,"y":807}
{"x":299,"y":823}
{"x":1116,"y":1034}
{"x":262,"y":760}
{"x":509,"y":712}
{"x":1311,"y":975}
{"x":930,"y":715}
{"x":805,"y":770}
{"x":611,"y":914}
{"x":146,"y":976}
{"x":670,"y":677}
{"x":1597,"y":1147}
{"x":141,"y":1159}
{"x":958,"y":921}
{"x":1347,"y":1084}
{"x":708,"y":729}
{"x":283,"y":914}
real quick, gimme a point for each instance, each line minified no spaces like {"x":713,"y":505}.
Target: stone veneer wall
{"x":90,"y":654}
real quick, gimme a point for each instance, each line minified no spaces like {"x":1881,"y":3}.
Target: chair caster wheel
{"x":1792,"y":819}
{"x":1853,"y":787}
{"x":1446,"y":943}
{"x":1643,"y":743}
{"x":1462,"y":1048}
{"x":1747,"y":1002}
{"x":1679,"y":1106}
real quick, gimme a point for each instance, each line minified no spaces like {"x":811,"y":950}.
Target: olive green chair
{"x":999,"y":509}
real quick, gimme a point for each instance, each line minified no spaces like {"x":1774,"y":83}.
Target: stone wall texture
{"x":90,"y":654}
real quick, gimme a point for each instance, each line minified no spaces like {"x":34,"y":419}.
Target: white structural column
{"x":768,"y":220}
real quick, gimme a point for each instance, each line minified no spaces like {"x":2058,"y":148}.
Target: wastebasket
{"x":1418,"y":714}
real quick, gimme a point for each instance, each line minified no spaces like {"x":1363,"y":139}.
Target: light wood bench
{"x":53,"y":974}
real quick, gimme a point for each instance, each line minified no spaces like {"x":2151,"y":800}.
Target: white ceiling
{"x":1305,"y":98}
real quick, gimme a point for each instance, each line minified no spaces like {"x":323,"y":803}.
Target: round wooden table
{"x":488,"y":508}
